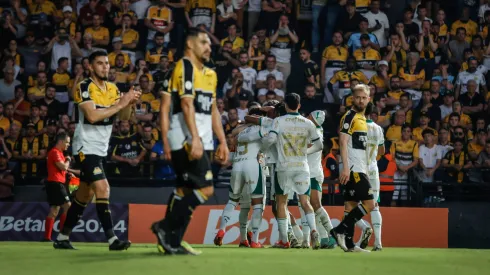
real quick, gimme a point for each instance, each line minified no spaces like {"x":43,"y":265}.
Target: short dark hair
{"x":61,"y":137}
{"x":427,"y":131}
{"x":462,"y":140}
{"x":193,"y":33}
{"x":309,"y":85}
{"x":454,"y":114}
{"x":407,"y":95}
{"x":256,"y":111}
{"x":405,"y":126}
{"x":292,"y":101}
{"x":460,"y":29}
{"x":159,"y":34}
{"x":270,"y":93}
{"x":369,"y":109}
{"x":61,"y":59}
{"x":130,"y":17}
{"x":280,"y":109}
{"x":363,"y":19}
{"x":96,"y":54}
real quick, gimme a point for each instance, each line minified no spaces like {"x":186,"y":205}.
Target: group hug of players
{"x":278,"y":142}
{"x":190,"y":121}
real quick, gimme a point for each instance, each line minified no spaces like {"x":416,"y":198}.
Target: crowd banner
{"x":402,"y":227}
{"x":20,"y":221}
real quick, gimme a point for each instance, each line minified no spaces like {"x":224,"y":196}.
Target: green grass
{"x":93,"y":259}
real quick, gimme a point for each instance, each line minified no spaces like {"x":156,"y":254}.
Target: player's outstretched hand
{"x":344,"y":176}
{"x":222,"y":154}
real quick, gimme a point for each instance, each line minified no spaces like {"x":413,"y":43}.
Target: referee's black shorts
{"x":192,"y":174}
{"x":56,"y":193}
{"x":358,"y":188}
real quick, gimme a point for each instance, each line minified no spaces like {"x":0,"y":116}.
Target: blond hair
{"x":362,"y":87}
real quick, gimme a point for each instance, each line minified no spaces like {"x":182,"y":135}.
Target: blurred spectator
{"x":87,"y":12}
{"x":242,"y":109}
{"x":232,"y":122}
{"x":8,"y":31}
{"x":411,"y":29}
{"x":28,"y":150}
{"x":154,"y":54}
{"x":417,"y":133}
{"x":62,"y":45}
{"x":444,"y":142}
{"x":237,"y":42}
{"x":221,"y":109}
{"x":462,"y":119}
{"x":312,"y":71}
{"x":457,"y":46}
{"x":472,"y":102}
{"x":406,"y":154}
{"x":17,"y":58}
{"x":354,"y":42}
{"x":31,"y":52}
{"x":249,"y":74}
{"x":88,"y":48}
{"x":226,"y":17}
{"x":201,"y":12}
{"x":71,"y":27}
{"x":349,"y":21}
{"x":19,"y":16}
{"x":8,"y":84}
{"x":158,"y":19}
{"x":117,"y":50}
{"x":35,"y":119}
{"x":4,"y":121}
{"x":38,"y":91}
{"x":162,"y":75}
{"x":6,"y":180}
{"x":256,"y":56}
{"x":253,"y":14}
{"x":127,"y":152}
{"x":429,"y":156}
{"x":366,"y":57}
{"x":380,"y":79}
{"x":140,"y":69}
{"x":20,"y":105}
{"x":270,"y":69}
{"x":343,"y":78}
{"x":129,"y":36}
{"x":475,"y":147}
{"x":100,"y":34}
{"x":394,"y":95}
{"x":378,"y":23}
{"x":456,"y":162}
{"x":421,"y":17}
{"x":484,"y":162}
{"x":405,"y":104}
{"x":396,"y":52}
{"x":310,"y":101}
{"x":470,"y":74}
{"x":465,"y":23}
{"x":282,"y":41}
{"x":237,"y":92}
{"x":333,"y":59}
{"x":123,"y":10}
{"x":54,"y":106}
{"x":447,"y":106}
{"x":271,"y":87}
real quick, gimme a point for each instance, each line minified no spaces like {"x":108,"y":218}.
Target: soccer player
{"x":56,"y":191}
{"x":324,"y":224}
{"x":353,"y":142}
{"x":375,"y":148}
{"x":293,"y":133}
{"x":98,"y":102}
{"x":247,"y":183}
{"x":188,"y":140}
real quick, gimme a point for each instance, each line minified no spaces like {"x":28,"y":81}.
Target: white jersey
{"x":265,"y":127}
{"x":294,"y":133}
{"x":249,"y":77}
{"x":248,"y":147}
{"x":315,"y":159}
{"x":375,"y":139}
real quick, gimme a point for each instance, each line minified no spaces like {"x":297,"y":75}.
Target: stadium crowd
{"x":426,"y":66}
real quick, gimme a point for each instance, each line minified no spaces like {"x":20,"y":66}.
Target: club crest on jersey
{"x":346,"y":125}
{"x":127,"y":146}
{"x":85,"y":94}
{"x":97,"y":171}
{"x":188,"y":85}
{"x":209,"y":175}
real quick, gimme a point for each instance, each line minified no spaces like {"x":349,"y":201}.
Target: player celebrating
{"x":293,"y":133}
{"x":375,"y":148}
{"x":353,"y":141}
{"x":316,"y":181}
{"x":98,"y":102}
{"x":247,"y":183}
{"x":188,"y":140}
{"x":56,"y":192}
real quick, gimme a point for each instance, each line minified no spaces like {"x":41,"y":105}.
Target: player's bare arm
{"x":345,"y":173}
{"x":222,"y":153}
{"x":165,"y":123}
{"x":187,"y":105}
{"x":95,"y":115}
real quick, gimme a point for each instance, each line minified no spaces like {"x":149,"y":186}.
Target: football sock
{"x":305,"y":228}
{"x":377,"y":221}
{"x":282,"y":225}
{"x":48,"y":228}
{"x":227,"y":212}
{"x":321,"y":229}
{"x":355,"y":215}
{"x":173,"y":201}
{"x":243,"y":219}
{"x":181,"y":212}
{"x":322,"y":216}
{"x":310,"y":219}
{"x":75,"y":212}
{"x":62,"y":220}
{"x":105,"y":217}
{"x":256,"y":222}
{"x":363,"y":225}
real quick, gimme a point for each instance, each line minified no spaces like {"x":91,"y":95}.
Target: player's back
{"x":294,"y":133}
{"x":93,"y":138}
{"x":247,"y":151}
{"x":266,"y":124}
{"x":315,"y":159}
{"x":188,"y":81}
{"x":374,"y":140}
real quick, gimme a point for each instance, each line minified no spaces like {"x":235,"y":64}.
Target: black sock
{"x":180,"y":215}
{"x":350,"y":220}
{"x":170,"y":204}
{"x":75,"y":212}
{"x":105,"y":217}
{"x":349,"y":237}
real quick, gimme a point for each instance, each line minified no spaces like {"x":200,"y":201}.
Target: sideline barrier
{"x":21,"y":221}
{"x":402,"y":227}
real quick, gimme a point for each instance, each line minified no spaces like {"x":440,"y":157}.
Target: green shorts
{"x":315,"y":185}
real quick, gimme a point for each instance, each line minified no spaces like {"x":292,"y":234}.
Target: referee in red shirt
{"x":56,"y":191}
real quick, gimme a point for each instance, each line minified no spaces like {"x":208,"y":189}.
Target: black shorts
{"x":56,"y":193}
{"x":193,"y":174}
{"x":358,"y":188}
{"x":91,"y":168}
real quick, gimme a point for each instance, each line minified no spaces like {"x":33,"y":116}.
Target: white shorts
{"x":274,"y":181}
{"x":375,"y":184}
{"x":289,"y":181}
{"x":247,"y":182}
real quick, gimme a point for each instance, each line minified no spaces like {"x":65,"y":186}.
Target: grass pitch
{"x":18,"y":258}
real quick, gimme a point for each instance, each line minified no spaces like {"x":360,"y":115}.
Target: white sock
{"x":297,"y":232}
{"x":363,"y":226}
{"x":62,"y":237}
{"x":305,"y":228}
{"x":256,"y":221}
{"x":377,"y":221}
{"x":321,"y":229}
{"x":282,"y":225}
{"x":322,"y":215}
{"x":290,"y":227}
{"x":243,"y":219}
{"x":111,"y":240}
{"x":226,"y":216}
{"x":310,"y":218}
